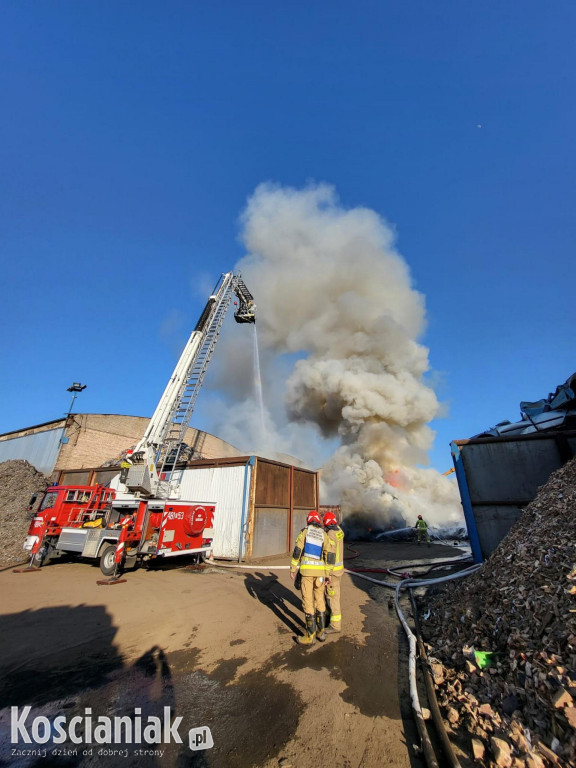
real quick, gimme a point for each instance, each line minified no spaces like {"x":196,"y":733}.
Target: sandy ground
{"x":217,"y":647}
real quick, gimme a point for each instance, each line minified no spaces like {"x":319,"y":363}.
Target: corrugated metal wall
{"x":223,"y":486}
{"x":499,"y":476}
{"x":40,"y":449}
{"x":269,"y":532}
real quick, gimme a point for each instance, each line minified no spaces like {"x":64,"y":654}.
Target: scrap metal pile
{"x":504,"y":640}
{"x":19,"y":480}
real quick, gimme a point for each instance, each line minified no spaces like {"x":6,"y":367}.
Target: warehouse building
{"x":82,"y":441}
{"x":261,"y":503}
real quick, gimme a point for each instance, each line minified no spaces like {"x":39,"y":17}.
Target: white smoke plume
{"x":331,"y":288}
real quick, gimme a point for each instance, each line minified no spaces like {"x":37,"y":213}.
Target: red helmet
{"x":313,"y":517}
{"x":330,"y":519}
{"x":419,"y":517}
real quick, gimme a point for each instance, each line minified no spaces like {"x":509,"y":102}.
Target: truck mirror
{"x":32,"y":501}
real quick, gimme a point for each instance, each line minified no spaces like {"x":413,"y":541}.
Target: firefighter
{"x":422,"y":530}
{"x":336,"y":537}
{"x":128,"y":521}
{"x":313,"y":561}
{"x":124,"y":467}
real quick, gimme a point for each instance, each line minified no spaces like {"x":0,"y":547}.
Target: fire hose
{"x":431,"y":692}
{"x":414,"y":698}
{"x":412,"y":643}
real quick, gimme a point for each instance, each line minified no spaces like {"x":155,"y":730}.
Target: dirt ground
{"x":218,"y":647}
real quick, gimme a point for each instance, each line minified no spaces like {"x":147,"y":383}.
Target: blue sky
{"x":133,"y":133}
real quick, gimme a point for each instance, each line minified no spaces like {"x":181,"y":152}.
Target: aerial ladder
{"x":156,"y":458}
{"x":144,"y":516}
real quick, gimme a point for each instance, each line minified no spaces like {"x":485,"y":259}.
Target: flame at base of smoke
{"x":380,"y":501}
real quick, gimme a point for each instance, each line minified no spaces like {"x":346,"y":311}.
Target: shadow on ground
{"x":63,"y":660}
{"x":284,"y":603}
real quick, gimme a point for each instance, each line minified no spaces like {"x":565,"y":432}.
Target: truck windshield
{"x":48,"y":501}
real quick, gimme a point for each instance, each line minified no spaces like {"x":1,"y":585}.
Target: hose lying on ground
{"x":413,"y":583}
{"x":352,"y":571}
{"x":431,"y":692}
{"x":412,"y":643}
{"x":398,"y":586}
{"x":354,"y":554}
{"x":249,"y":567}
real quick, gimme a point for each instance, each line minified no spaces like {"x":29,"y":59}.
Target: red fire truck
{"x":89,"y":522}
{"x":144,"y":517}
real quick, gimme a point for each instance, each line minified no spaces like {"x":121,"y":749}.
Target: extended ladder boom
{"x":159,"y":450}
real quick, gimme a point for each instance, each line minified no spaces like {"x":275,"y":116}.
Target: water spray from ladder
{"x":258,"y":384}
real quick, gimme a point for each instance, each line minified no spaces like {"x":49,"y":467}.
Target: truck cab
{"x":71,"y":506}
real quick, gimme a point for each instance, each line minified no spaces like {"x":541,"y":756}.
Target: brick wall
{"x":94,"y":439}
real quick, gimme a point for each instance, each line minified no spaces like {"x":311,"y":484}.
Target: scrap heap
{"x":520,"y":709}
{"x":19,"y":480}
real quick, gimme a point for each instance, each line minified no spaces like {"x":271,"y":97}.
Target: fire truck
{"x":143,"y":517}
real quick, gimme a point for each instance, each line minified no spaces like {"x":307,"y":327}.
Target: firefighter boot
{"x":308,"y":638}
{"x":320,"y":625}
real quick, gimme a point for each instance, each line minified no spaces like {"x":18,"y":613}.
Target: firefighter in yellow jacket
{"x":336,"y":536}
{"x":313,"y":558}
{"x":422,"y":530}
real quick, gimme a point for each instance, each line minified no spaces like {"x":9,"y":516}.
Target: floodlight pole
{"x":74,"y":396}
{"x":75,"y":389}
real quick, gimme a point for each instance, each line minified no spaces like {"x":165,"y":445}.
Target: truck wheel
{"x":44,"y":554}
{"x":107,"y":564}
{"x":38,"y":559}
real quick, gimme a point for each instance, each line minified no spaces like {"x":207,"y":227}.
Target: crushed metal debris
{"x":516,"y":702}
{"x":19,"y":480}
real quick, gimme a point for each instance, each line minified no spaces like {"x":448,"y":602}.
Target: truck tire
{"x":107,"y":564}
{"x":44,"y":554}
{"x":38,"y":559}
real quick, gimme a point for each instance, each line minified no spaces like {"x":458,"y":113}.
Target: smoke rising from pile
{"x":330,"y":288}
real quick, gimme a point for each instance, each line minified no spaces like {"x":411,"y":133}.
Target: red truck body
{"x":92,"y":522}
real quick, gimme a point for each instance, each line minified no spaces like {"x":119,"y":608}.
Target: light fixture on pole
{"x":75,"y":389}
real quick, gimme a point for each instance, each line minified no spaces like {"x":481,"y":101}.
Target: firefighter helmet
{"x":330,"y":519}
{"x":419,"y":517}
{"x":313,"y":517}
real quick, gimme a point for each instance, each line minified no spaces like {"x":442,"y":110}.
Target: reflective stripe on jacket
{"x":336,"y":538}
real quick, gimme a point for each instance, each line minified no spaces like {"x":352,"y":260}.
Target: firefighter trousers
{"x":333,"y":595}
{"x":422,"y":534}
{"x":313,"y":595}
